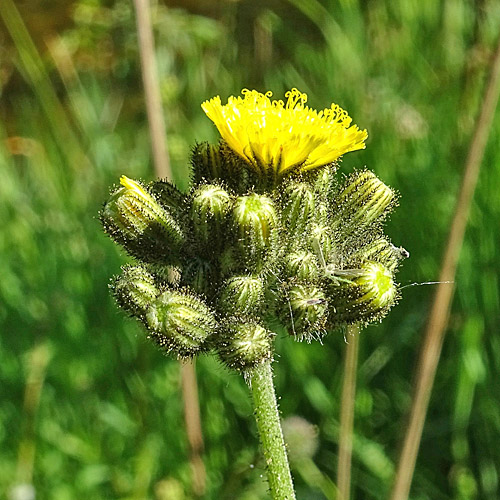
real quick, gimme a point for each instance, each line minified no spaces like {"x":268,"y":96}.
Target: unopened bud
{"x":382,"y":251}
{"x":321,"y":242}
{"x":363,"y":295}
{"x":254,"y":218}
{"x":363,"y":200}
{"x":244,"y":345}
{"x":135,"y":289}
{"x":307,"y":307}
{"x":180,"y":323}
{"x":242,"y":295}
{"x":219,"y":162}
{"x":167,"y":195}
{"x":325,"y":183}
{"x":207,"y":162}
{"x":302,"y":265}
{"x":137,"y":221}
{"x":209,"y":207}
{"x":298,"y":206}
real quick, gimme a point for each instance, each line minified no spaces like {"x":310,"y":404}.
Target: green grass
{"x":110,"y":419}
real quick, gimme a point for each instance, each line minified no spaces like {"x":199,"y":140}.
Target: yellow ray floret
{"x":283,"y":136}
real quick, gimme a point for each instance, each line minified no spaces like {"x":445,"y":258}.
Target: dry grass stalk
{"x":162,"y":170}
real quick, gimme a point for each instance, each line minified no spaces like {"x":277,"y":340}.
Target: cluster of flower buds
{"x":255,"y":240}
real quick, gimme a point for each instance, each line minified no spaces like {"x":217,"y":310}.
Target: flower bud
{"x":242,"y":295}
{"x":321,"y":242}
{"x":167,"y":195}
{"x":219,"y":162}
{"x":325,"y":184}
{"x":254,"y":218}
{"x":135,"y":289}
{"x":382,"y":251}
{"x":298,"y":206}
{"x":302,"y":265}
{"x":363,"y":200}
{"x":209,"y":207}
{"x":180,"y":323}
{"x":135,"y":219}
{"x":207,"y":162}
{"x":307,"y":311}
{"x":244,"y":345}
{"x":363,"y":295}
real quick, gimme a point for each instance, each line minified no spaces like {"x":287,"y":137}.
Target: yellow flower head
{"x":283,"y":136}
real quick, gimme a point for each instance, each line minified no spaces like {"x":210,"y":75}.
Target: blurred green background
{"x":109,"y":422}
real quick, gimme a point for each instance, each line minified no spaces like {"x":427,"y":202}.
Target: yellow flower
{"x":278,"y":136}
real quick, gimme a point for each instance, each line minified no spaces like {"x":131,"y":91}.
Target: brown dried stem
{"x":162,"y":168}
{"x":152,"y":90}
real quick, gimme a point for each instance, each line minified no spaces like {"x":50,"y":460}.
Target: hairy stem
{"x":271,"y":435}
{"x":347,"y":413}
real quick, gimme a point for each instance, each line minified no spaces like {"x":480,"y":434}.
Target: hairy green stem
{"x":347,"y":413}
{"x":271,"y":435}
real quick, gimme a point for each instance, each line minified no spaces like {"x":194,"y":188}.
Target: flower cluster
{"x":266,"y":233}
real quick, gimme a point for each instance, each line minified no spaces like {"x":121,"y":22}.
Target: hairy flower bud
{"x":219,"y":162}
{"x":383,"y":251}
{"x":363,"y":295}
{"x":363,"y":200}
{"x":242,"y":295}
{"x":298,"y":206}
{"x":180,"y":323}
{"x":244,"y":344}
{"x":325,"y":183}
{"x":167,"y":195}
{"x":307,"y":310}
{"x":302,"y":265}
{"x":134,"y":218}
{"x":321,"y":242}
{"x":254,"y":218}
{"x":135,"y":289}
{"x":209,"y":207}
{"x":207,"y":162}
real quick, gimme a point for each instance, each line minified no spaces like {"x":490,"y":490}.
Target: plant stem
{"x":193,"y":427}
{"x":347,"y":413}
{"x":438,"y":316}
{"x":271,"y":435}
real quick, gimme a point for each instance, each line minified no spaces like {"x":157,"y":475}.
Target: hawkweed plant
{"x":267,"y":235}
